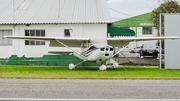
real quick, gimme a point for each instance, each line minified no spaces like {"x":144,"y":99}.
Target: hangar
{"x":49,"y":18}
{"x":141,"y":25}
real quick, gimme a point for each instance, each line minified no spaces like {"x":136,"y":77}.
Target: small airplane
{"x":97,"y":50}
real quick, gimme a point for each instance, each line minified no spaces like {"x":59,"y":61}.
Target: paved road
{"x":89,"y":89}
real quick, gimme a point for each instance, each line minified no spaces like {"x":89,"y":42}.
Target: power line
{"x":116,"y":18}
{"x":119,"y":12}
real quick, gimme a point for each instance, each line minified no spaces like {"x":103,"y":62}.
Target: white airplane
{"x":97,"y":50}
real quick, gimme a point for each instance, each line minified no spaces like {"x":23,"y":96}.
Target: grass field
{"x":38,"y":72}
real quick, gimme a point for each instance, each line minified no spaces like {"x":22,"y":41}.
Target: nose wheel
{"x":103,"y":67}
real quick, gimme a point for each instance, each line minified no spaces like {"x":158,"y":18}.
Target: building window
{"x":147,"y":30}
{"x":67,"y":32}
{"x":6,"y":41}
{"x":37,"y":33}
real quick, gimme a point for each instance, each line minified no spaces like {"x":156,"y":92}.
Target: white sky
{"x":131,"y":7}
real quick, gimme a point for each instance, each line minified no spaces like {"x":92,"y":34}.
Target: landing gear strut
{"x":72,"y":66}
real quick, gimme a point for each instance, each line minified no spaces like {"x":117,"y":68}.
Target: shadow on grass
{"x":84,"y":68}
{"x":112,"y":69}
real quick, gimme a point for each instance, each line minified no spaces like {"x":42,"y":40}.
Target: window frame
{"x":67,"y":33}
{"x":147,"y":31}
{"x":34,"y":33}
{"x":3,"y":41}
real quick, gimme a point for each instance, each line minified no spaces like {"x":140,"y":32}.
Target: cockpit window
{"x":91,"y":49}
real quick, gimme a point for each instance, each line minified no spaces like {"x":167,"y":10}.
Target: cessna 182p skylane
{"x":97,"y":50}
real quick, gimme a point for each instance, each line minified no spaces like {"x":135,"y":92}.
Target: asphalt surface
{"x":88,"y":89}
{"x":137,"y":60}
{"x":127,"y":57}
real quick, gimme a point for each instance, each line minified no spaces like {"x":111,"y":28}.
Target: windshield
{"x":149,"y":46}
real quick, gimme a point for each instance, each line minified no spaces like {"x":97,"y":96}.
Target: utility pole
{"x":14,"y":23}
{"x":160,"y":42}
{"x":13,"y":11}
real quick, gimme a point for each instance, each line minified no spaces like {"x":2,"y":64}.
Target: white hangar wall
{"x":6,"y":51}
{"x":19,"y":48}
{"x":140,"y":34}
{"x":172,"y":47}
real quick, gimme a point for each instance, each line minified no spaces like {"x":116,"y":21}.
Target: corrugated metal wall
{"x":172,"y":47}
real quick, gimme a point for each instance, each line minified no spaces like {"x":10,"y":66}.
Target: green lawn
{"x":38,"y":72}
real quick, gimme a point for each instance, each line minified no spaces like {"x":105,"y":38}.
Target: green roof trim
{"x":137,"y":21}
{"x":114,"y":31}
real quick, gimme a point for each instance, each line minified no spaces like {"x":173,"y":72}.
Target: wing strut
{"x":119,"y":51}
{"x":72,"y":50}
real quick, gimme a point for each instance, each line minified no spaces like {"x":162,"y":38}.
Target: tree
{"x":169,"y":6}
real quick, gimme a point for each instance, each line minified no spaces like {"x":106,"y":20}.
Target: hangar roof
{"x":143,"y":20}
{"x":54,"y":11}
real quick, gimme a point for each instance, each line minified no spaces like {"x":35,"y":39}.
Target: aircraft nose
{"x":107,"y":51}
{"x":106,"y":54}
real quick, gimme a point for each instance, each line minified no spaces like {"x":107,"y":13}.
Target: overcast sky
{"x":122,"y":9}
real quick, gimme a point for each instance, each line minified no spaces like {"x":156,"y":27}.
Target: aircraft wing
{"x":69,"y":41}
{"x":123,"y":41}
{"x":76,"y":42}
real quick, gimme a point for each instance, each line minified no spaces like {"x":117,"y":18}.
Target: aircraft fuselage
{"x":98,"y":53}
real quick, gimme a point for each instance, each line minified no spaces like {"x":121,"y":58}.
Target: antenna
{"x":59,"y":9}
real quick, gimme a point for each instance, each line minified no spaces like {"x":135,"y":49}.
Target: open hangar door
{"x":172,"y":47}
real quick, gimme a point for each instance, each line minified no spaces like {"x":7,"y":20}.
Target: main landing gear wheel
{"x":71,"y":66}
{"x":115,"y":65}
{"x":102,"y":67}
{"x":141,"y":54}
